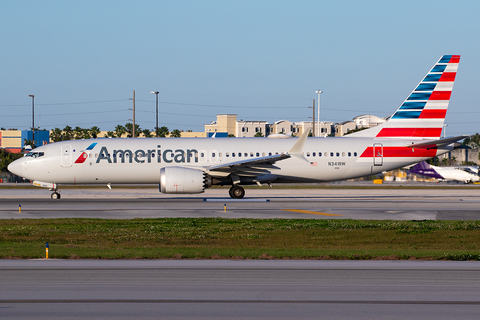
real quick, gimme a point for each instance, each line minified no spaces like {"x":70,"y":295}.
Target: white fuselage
{"x":140,"y":160}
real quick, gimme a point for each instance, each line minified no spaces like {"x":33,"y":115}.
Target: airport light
{"x":156,"y":117}
{"x":318,"y":113}
{"x":33,"y":118}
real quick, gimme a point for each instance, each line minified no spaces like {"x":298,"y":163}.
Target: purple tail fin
{"x":425,"y":169}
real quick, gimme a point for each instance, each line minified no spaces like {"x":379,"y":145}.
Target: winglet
{"x":298,"y":146}
{"x":296,"y":150}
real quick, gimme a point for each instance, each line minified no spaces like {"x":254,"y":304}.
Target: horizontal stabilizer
{"x":436,"y":143}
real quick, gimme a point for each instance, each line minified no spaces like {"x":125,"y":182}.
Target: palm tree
{"x":67,"y":133}
{"x":78,"y":133}
{"x":129,"y":128}
{"x":147,"y":133}
{"x":94,"y":131}
{"x":28,"y":142}
{"x":120,"y":131}
{"x":56,"y":135}
{"x":163,"y":132}
{"x":175,"y":133}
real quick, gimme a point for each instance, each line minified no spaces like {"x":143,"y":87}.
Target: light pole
{"x":445,"y":130}
{"x":156,"y":117}
{"x":318,"y":113}
{"x":33,"y":119}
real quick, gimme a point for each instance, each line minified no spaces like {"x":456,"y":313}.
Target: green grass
{"x":211,"y":238}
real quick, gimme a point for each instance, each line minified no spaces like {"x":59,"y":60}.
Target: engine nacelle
{"x":182,"y":180}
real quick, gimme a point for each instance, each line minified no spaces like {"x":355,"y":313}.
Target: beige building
{"x":224,"y":123}
{"x":251,"y":128}
{"x":283,"y":126}
{"x":344,"y":127}
{"x":241,"y":128}
{"x":11,"y":140}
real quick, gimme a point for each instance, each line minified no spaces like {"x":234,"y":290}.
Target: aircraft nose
{"x":16,"y":167}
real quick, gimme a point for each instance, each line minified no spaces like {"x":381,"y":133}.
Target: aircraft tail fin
{"x":422,"y":114}
{"x":425,"y":169}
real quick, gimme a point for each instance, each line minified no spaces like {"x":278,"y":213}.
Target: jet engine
{"x":183,"y":180}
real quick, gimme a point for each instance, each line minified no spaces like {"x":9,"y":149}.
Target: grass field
{"x":218,"y":238}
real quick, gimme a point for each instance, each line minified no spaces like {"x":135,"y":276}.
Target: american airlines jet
{"x":190,"y":165}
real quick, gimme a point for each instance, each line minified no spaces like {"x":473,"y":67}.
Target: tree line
{"x":69,"y":133}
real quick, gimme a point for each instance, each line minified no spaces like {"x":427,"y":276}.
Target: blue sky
{"x":262,"y":60}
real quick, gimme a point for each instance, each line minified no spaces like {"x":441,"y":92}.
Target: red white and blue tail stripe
{"x":422,"y":114}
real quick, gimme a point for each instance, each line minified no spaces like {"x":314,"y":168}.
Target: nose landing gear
{"x":55,"y":195}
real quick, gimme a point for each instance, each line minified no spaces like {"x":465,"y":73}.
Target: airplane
{"x":190,"y":165}
{"x":465,"y":174}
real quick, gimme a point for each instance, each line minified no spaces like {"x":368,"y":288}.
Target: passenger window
{"x":343,"y":154}
{"x":331,"y":154}
{"x":338,"y":154}
{"x":269,"y":153}
{"x":245,"y":154}
{"x":263,"y":154}
{"x":314,"y":154}
{"x":349,"y":154}
{"x":258,"y":154}
{"x":227,"y":154}
{"x":220,"y":154}
{"x":319,"y":154}
{"x":326,"y":154}
{"x":308,"y":154}
{"x":233,"y":154}
{"x":354,"y":154}
{"x":251,"y":154}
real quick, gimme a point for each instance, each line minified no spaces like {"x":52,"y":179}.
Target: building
{"x":224,"y":123}
{"x":251,"y":128}
{"x":343,"y":128}
{"x":368,"y":121}
{"x":14,"y":140}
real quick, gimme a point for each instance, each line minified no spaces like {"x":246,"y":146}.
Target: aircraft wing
{"x":257,"y":166}
{"x":247,"y":167}
{"x":436,"y":143}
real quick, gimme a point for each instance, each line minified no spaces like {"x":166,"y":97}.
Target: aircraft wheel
{"x":237,"y":192}
{"x":55,"y":195}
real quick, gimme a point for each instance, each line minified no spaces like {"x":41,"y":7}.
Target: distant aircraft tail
{"x":425,"y":169}
{"x":422,"y":114}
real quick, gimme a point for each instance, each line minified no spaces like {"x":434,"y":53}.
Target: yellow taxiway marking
{"x":313,"y":212}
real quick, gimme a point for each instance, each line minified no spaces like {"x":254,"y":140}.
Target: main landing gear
{"x":236,"y":192}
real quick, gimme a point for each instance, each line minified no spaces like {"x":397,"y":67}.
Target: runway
{"x":176,"y":289}
{"x":390,"y":204}
{"x":240,"y":289}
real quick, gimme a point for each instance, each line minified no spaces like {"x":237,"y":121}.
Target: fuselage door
{"x":378,"y":154}
{"x":66,"y":159}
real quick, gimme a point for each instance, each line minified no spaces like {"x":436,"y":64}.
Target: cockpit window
{"x":35,"y":154}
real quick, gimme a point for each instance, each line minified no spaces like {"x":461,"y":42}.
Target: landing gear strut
{"x":236,"y":192}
